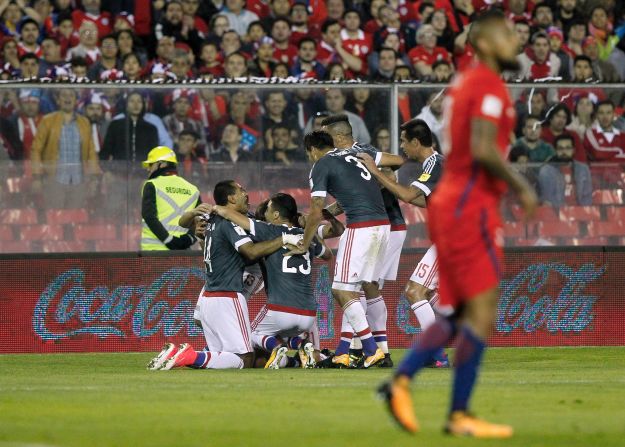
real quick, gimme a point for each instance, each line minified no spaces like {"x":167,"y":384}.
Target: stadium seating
{"x":95,"y":232}
{"x":42,"y":233}
{"x":24,"y":216}
{"x":69,"y":216}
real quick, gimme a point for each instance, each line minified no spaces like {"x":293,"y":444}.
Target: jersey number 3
{"x":365,"y":172}
{"x":304,"y":269}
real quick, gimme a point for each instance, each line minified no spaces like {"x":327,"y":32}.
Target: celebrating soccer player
{"x":465,"y":226}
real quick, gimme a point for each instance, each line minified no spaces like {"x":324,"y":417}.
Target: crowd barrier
{"x":128,"y":302}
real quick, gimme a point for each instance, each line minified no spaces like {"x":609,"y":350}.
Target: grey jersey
{"x":341,"y":174}
{"x":224,"y":264}
{"x":288,"y":278}
{"x":391,"y":204}
{"x":431,"y":172}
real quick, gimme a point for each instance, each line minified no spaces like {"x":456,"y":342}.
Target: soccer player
{"x":340,"y":129}
{"x":223,"y":309}
{"x":291,"y":306}
{"x":416,"y":142}
{"x":341,"y":174}
{"x":465,"y":226}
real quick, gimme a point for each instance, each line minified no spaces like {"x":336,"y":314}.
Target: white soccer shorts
{"x":392,"y":255}
{"x":225,"y":322}
{"x":426,"y":272}
{"x":271,"y":322}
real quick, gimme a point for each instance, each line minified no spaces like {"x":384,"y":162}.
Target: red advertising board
{"x":128,"y":302}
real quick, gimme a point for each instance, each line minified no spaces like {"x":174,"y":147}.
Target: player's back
{"x":477,"y":93}
{"x":224,"y":265}
{"x":341,"y":174}
{"x":288,"y":278}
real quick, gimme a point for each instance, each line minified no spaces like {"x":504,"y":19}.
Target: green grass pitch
{"x":553,"y":397}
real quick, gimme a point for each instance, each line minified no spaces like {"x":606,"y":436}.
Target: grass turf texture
{"x":553,"y":397}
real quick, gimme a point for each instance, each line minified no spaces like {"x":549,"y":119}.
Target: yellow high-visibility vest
{"x":174,"y":196}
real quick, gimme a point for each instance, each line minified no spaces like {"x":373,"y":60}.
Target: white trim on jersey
{"x":252,"y":227}
{"x":241,"y":242}
{"x":318,"y":193}
{"x":422,"y":187}
{"x":378,"y":158}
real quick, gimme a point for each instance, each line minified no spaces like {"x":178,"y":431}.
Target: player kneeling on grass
{"x":223,"y":309}
{"x":291,"y":307}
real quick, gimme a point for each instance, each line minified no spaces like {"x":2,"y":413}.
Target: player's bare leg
{"x":355,"y":315}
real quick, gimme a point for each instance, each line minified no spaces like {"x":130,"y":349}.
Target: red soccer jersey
{"x":360,"y":46}
{"x":286,"y":56}
{"x":102,"y":21}
{"x":478,"y":92}
{"x":420,"y":54}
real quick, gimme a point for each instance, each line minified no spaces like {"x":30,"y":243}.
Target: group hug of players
{"x":275,"y":247}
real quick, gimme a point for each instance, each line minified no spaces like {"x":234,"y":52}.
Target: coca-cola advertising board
{"x":127,"y":302}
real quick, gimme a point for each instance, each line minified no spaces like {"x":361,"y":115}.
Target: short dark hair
{"x":189,"y":132}
{"x":417,"y":128}
{"x":285,"y":205}
{"x":605,"y":102}
{"x":538,"y":35}
{"x":256,"y":23}
{"x":338,"y":124}
{"x":318,"y":139}
{"x":236,"y":53}
{"x":538,"y":6}
{"x":26,"y":21}
{"x":281,"y":125}
{"x":562,"y":137}
{"x":555,"y":109}
{"x":304,"y":40}
{"x":222,"y":190}
{"x":387,"y":49}
{"x":582,"y":57}
{"x":440,"y":62}
{"x":125,"y":57}
{"x":259,"y":214}
{"x":78,"y":61}
{"x":280,"y":19}
{"x":327,"y":24}
{"x":108,"y":37}
{"x":483,"y":22}
{"x":350,"y":10}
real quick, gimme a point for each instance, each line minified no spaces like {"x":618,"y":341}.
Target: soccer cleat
{"x":355,"y":360}
{"x":168,"y":351}
{"x":277,"y":354}
{"x":387,"y":362}
{"x":185,"y":356}
{"x":461,"y":423}
{"x":439,"y":361}
{"x":374,"y":359}
{"x":397,"y":396}
{"x":326,"y":363}
{"x":341,"y":361}
{"x":307,"y":355}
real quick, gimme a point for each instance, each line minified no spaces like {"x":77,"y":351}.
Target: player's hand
{"x":203,"y":208}
{"x":368,"y":161}
{"x":529,"y":202}
{"x":295,"y":250}
{"x":200,"y":227}
{"x":295,"y":240}
{"x":301,"y":220}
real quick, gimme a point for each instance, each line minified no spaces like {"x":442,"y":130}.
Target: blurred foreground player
{"x":465,"y":226}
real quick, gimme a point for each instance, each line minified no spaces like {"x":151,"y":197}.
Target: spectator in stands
{"x":542,"y":17}
{"x":604,"y":70}
{"x":130,"y":137}
{"x":331,"y":48}
{"x":335,"y":104}
{"x":441,"y":72}
{"x":263,"y":64}
{"x":365,"y":104}
{"x":432,"y":114}
{"x":374,"y":24}
{"x":600,"y":27}
{"x":283,"y":150}
{"x":541,"y":62}
{"x":556,"y":120}
{"x":179,"y":119}
{"x":181,"y":65}
{"x":190,"y":9}
{"x":11,"y":14}
{"x":392,"y":24}
{"x":277,"y":9}
{"x":522,"y":29}
{"x":445,"y":37}
{"x":565,"y":13}
{"x":235,"y":66}
{"x":306,"y":65}
{"x":27,"y":119}
{"x":426,"y":53}
{"x":88,"y":46}
{"x":392,"y":40}
{"x":556,"y":42}
{"x":218,"y":26}
{"x":63,"y":150}
{"x":29,"y":37}
{"x":231,"y":148}
{"x":577,"y":32}
{"x":189,"y":150}
{"x":304,"y":104}
{"x":238,"y":113}
{"x":95,"y":113}
{"x":78,"y":68}
{"x":51,"y":56}
{"x":403,"y":73}
{"x":317,"y":120}
{"x":66,"y":34}
{"x":123,"y":21}
{"x":239,"y":18}
{"x":603,"y":141}
{"x":382,"y":139}
{"x":276,"y":113}
{"x":335,"y":72}
{"x":336,"y":9}
{"x":181,"y":28}
{"x":386,"y":65}
{"x":299,"y":23}
{"x":255,"y":32}
{"x":517,"y":11}
{"x":131,"y":66}
{"x":356,"y":42}
{"x":280,"y":71}
{"x":617,"y":58}
{"x":209,"y":60}
{"x":230,"y":43}
{"x":10,"y":145}
{"x":583,"y":116}
{"x":29,"y":66}
{"x":92,"y":13}
{"x":582,"y":70}
{"x":284,"y":52}
{"x":552,"y":178}
{"x":108,"y":58}
{"x":530,"y":146}
{"x":9,"y":53}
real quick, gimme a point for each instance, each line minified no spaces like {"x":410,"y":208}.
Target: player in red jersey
{"x":465,"y":225}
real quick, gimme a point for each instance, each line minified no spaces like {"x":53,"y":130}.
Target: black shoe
{"x":326,"y":363}
{"x":387,"y":362}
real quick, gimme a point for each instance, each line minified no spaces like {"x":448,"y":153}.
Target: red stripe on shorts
{"x":220,"y":294}
{"x":433,"y":271}
{"x":369,"y":223}
{"x":292,"y":310}
{"x":239,"y":311}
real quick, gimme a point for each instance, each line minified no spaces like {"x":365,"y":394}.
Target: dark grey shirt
{"x":432,"y":170}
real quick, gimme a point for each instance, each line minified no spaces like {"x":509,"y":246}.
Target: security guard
{"x":166,"y":197}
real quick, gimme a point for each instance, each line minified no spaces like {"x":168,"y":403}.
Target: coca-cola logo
{"x":526,"y":303}
{"x":66,"y":308}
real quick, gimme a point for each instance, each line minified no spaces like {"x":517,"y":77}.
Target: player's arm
{"x":325,"y":252}
{"x":484,"y":151}
{"x":335,"y":227}
{"x":408,"y":194}
{"x":253,"y":251}
{"x":387,"y":160}
{"x":188,"y":218}
{"x":233,"y":216}
{"x":334,"y":209}
{"x":314,"y":218}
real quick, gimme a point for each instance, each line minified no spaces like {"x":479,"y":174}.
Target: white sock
{"x":313,"y":336}
{"x":356,"y":343}
{"x":223,"y":360}
{"x":424,"y":313}
{"x":283,"y":361}
{"x":355,"y":315}
{"x":376,"y":316}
